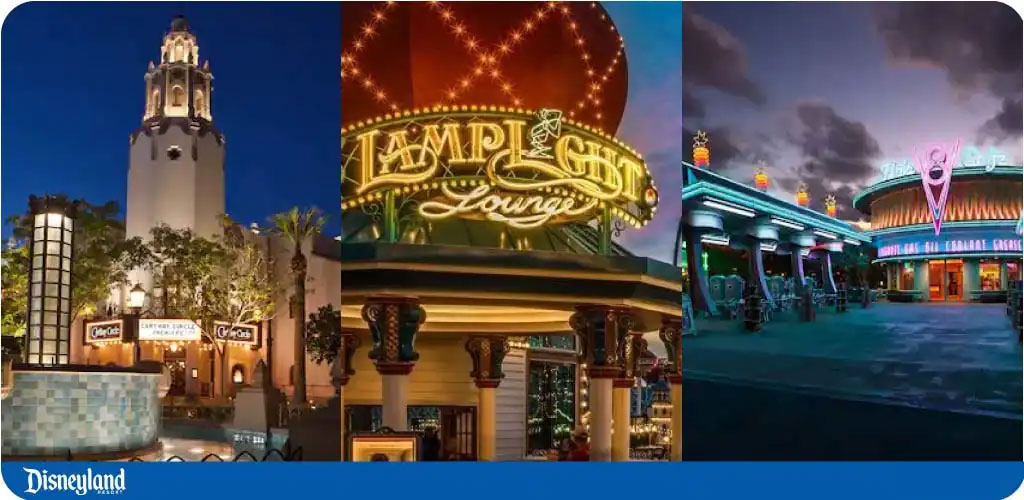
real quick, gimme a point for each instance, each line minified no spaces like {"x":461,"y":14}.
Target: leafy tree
{"x":323,"y":334}
{"x":13,"y":293}
{"x":102,"y":259}
{"x":856,"y":259}
{"x":297,"y":226}
{"x":225,"y":279}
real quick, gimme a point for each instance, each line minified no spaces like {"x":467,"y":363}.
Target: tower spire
{"x":178,"y":86}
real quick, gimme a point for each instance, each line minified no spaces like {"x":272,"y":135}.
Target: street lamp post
{"x":136,"y":299}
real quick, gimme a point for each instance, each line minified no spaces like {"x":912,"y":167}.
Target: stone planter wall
{"x":52,"y":413}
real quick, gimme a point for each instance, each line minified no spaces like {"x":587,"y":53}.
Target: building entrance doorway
{"x":174,"y":360}
{"x":946,"y":280}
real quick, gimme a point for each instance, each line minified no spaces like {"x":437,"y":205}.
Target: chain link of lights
{"x":350,"y":66}
{"x":593,"y":96}
{"x":488,"y":61}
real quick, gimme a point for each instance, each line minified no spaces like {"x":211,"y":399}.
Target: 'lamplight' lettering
{"x":497,"y":166}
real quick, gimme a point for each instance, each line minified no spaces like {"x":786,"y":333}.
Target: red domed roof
{"x":398,"y":56}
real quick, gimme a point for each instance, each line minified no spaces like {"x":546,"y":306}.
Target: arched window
{"x":179,"y":51}
{"x":238,"y":374}
{"x":177,"y":96}
{"x":198,"y":102}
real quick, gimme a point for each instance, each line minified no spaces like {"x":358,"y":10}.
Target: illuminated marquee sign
{"x":244,"y":334}
{"x":181,"y":330}
{"x":950,"y":246}
{"x":103,"y":331}
{"x":970,"y":156}
{"x":518,"y":168}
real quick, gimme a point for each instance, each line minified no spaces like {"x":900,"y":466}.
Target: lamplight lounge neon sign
{"x":509,"y":166}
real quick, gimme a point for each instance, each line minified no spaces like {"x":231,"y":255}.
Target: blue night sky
{"x":825,"y":93}
{"x":652,"y":123}
{"x":73,"y":91}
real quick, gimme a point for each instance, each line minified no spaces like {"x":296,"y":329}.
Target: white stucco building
{"x":176,"y":175}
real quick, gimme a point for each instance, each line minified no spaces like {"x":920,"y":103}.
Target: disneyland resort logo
{"x":80,"y":484}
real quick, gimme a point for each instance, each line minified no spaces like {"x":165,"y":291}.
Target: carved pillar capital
{"x":487,"y":352}
{"x":341,"y":369}
{"x":602,"y":331}
{"x":671,"y":333}
{"x":394,"y":323}
{"x":632,"y":348}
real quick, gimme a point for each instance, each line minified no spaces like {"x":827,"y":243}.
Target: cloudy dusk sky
{"x":652,"y":123}
{"x":826,"y":93}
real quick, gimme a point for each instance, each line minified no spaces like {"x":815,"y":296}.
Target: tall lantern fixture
{"x":761,"y":179}
{"x":830,"y":205}
{"x":49,"y":297}
{"x":701,"y":153}
{"x":802,"y":198}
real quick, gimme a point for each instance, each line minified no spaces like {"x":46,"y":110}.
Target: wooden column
{"x":488,"y":352}
{"x":602,"y":331}
{"x":671,"y":335}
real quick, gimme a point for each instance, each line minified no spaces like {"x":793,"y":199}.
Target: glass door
{"x":954,"y":282}
{"x":174,"y":360}
{"x":936,"y":279}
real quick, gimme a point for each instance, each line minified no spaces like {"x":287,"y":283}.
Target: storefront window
{"x":907,"y":276}
{"x":551,"y":405}
{"x":454,"y":426}
{"x":567,"y":342}
{"x":1012,"y":271}
{"x":990,"y":276}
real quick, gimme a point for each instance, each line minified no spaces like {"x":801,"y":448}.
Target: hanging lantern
{"x":761,"y":179}
{"x":802,"y":198}
{"x":830,"y":205}
{"x":701,"y":153}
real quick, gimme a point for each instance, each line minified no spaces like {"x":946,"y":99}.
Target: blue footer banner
{"x":515,"y":480}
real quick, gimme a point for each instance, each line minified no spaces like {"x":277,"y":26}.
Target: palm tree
{"x":297,"y":226}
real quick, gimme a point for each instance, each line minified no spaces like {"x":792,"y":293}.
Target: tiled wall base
{"x":50,"y":413}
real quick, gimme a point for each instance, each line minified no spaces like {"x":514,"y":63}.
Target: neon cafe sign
{"x":945,"y":246}
{"x":510,"y":166}
{"x":970,"y":156}
{"x":934,"y":163}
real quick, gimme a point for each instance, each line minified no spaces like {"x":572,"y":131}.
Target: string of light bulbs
{"x":487,"y":61}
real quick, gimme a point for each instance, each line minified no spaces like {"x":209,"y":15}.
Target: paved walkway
{"x":958,"y":357}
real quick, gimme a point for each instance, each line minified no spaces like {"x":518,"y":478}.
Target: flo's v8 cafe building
{"x":946,"y":224}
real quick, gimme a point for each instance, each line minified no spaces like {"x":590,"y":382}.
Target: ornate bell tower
{"x":176,"y":163}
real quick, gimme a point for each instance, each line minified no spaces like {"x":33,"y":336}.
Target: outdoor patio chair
{"x":717,"y":288}
{"x":734,"y":296}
